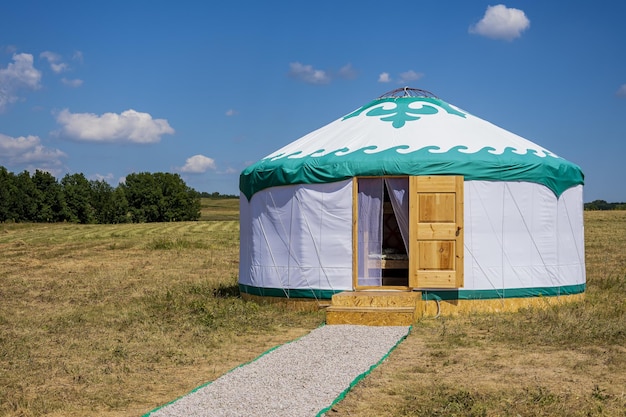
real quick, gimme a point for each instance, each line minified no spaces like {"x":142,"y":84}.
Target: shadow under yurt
{"x":410,"y":204}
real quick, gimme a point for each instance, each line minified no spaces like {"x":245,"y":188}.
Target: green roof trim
{"x":554,"y":172}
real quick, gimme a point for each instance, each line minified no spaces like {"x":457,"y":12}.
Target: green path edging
{"x":236,"y":367}
{"x":360,"y":377}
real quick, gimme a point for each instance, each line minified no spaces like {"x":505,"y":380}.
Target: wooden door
{"x":436,"y":232}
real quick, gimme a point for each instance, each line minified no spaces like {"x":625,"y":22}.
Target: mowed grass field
{"x":115,"y":320}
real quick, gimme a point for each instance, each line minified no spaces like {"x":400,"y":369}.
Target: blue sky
{"x":204,"y":89}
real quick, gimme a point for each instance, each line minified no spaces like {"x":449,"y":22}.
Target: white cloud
{"x":128,"y":126}
{"x":9,"y":49}
{"x":501,"y":22}
{"x":410,"y":76}
{"x":231,"y":112}
{"x":403,"y":78}
{"x":28,"y":150}
{"x":78,"y":57}
{"x":17,"y":75}
{"x":56,"y":61}
{"x":72,"y":83}
{"x":198,"y":164}
{"x":308,"y":74}
{"x":621,"y":91}
{"x":106,"y":177}
{"x":347,"y":72}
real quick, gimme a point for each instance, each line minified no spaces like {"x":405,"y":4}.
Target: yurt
{"x":409,"y":193}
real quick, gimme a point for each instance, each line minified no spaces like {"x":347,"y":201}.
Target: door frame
{"x":459,"y":247}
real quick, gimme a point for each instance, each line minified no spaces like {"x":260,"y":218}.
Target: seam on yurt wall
{"x":502,"y":251}
{"x":271,"y":254}
{"x":550,"y":274}
{"x":270,"y":248}
{"x":317,"y":252}
{"x":499,"y":243}
{"x":571,"y":229}
{"x":324,"y":211}
{"x":469,"y":237}
{"x":467,"y":248}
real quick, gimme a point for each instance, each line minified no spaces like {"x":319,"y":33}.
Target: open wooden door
{"x":436,"y":232}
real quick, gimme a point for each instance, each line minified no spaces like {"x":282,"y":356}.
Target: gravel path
{"x":301,"y":378}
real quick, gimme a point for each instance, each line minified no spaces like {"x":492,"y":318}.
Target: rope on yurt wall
{"x":499,"y":291}
{"x":532,"y":238}
{"x":290,"y":251}
{"x":288,"y":237}
{"x":317,"y":253}
{"x":271,"y":255}
{"x":571,"y":229}
{"x":502,"y":252}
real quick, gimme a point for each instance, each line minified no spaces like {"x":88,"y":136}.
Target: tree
{"x":145,"y":197}
{"x":179,"y":202}
{"x":27,"y":198}
{"x":160,"y":197}
{"x":77,"y":191}
{"x":51,"y":204}
{"x":109,"y":204}
{"x":8,"y":193}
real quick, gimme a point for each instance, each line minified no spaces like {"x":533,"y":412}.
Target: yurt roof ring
{"x":407,"y":92}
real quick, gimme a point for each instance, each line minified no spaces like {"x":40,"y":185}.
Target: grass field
{"x":114,"y":320}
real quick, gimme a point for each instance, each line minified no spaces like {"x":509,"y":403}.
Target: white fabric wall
{"x":298,"y":237}
{"x":517,"y":235}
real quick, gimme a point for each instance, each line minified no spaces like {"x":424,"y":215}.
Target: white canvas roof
{"x":410,"y":132}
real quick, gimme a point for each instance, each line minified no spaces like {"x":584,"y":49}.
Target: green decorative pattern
{"x":402,"y":112}
{"x":486,"y":163}
{"x":555,"y":173}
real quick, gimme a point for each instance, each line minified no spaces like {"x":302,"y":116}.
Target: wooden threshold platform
{"x":374,"y":308}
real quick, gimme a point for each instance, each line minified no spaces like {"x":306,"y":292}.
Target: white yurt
{"x":410,"y":193}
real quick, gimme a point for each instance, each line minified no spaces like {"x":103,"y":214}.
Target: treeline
{"x":144,"y":197}
{"x":217,"y":196}
{"x":603,"y":205}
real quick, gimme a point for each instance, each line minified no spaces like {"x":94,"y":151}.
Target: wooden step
{"x":374,"y":308}
{"x":370,"y":316}
{"x":377,"y":299}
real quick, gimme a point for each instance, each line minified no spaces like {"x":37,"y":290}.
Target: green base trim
{"x":358,"y":379}
{"x":447,"y":295}
{"x":289,"y":293}
{"x":441,"y":295}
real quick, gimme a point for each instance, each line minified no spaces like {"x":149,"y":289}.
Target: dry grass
{"x":219,"y":209}
{"x":116,"y":320}
{"x":567,"y":360}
